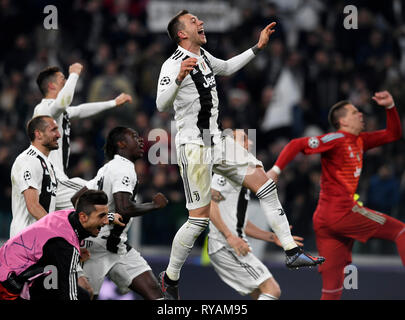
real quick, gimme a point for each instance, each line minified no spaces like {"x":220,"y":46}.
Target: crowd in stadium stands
{"x":311,"y":63}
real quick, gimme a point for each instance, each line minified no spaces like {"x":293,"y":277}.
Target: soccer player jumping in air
{"x":187,"y":83}
{"x":339,"y":219}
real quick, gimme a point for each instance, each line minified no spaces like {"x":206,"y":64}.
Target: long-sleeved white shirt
{"x":62,"y":112}
{"x":195,"y":101}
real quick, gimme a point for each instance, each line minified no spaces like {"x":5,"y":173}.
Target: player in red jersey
{"x":339,"y":219}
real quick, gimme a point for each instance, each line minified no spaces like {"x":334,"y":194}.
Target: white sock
{"x":266,"y":296}
{"x":275,"y":215}
{"x":183,"y":243}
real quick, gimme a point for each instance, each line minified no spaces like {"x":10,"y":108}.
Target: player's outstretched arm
{"x":65,"y":95}
{"x":230,"y":66}
{"x":384,"y":99}
{"x":128,"y":209}
{"x":265,"y":36}
{"x":393,"y":130}
{"x":92,"y":108}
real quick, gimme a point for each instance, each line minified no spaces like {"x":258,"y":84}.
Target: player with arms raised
{"x":187,"y":83}
{"x":339,"y":219}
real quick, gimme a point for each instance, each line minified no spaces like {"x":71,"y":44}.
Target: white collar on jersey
{"x":37,"y":151}
{"x":117,"y":156}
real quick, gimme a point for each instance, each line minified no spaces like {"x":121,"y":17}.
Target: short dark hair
{"x":114,"y":136}
{"x":87,"y":201}
{"x":36,"y":123}
{"x":44,"y":77}
{"x":336,"y":112}
{"x":174,"y":26}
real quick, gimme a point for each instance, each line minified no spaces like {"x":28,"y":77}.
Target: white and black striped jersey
{"x":31,"y":169}
{"x":195,"y":101}
{"x":232,"y":210}
{"x":117,"y":175}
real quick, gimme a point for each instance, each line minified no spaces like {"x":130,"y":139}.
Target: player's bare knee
{"x":203,"y":212}
{"x":271,"y":286}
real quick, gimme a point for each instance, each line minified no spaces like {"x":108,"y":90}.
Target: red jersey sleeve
{"x":307,"y":145}
{"x":392,"y":132}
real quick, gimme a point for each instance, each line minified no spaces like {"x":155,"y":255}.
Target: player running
{"x":339,"y":219}
{"x":187,"y":84}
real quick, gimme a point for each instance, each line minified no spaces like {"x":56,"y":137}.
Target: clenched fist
{"x":160,"y":201}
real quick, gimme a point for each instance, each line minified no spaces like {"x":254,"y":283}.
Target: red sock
{"x":400,"y":242}
{"x":332,"y":295}
{"x":332,"y":283}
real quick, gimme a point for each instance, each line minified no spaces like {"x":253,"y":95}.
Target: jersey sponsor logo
{"x":209,"y":82}
{"x":313,"y":142}
{"x":52,"y":189}
{"x":125,"y":181}
{"x":165,"y":81}
{"x":27,"y":175}
{"x":332,"y":136}
{"x":281,"y":211}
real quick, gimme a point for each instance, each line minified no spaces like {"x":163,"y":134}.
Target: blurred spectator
{"x":287,"y":92}
{"x":384,"y":190}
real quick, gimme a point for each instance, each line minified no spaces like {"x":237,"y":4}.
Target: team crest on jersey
{"x":27,"y":175}
{"x":125,"y":181}
{"x":313,"y":142}
{"x":204,"y":68}
{"x":221,"y":181}
{"x":165,"y":81}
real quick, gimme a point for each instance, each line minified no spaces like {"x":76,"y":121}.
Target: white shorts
{"x":121,"y":269}
{"x":66,"y":190}
{"x":242,"y":273}
{"x":197,"y":162}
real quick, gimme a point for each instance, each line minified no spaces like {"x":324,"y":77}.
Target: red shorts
{"x":335,"y":239}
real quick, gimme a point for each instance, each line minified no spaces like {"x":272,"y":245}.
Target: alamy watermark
{"x":351,"y":20}
{"x":351,"y":280}
{"x":51,"y":280}
{"x":51,"y":20}
{"x":213,"y":147}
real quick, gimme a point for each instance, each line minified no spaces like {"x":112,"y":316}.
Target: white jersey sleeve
{"x":230,"y":66}
{"x":123,"y":181}
{"x":85,"y":110}
{"x":62,"y":101}
{"x":167,"y":86}
{"x":26,"y":174}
